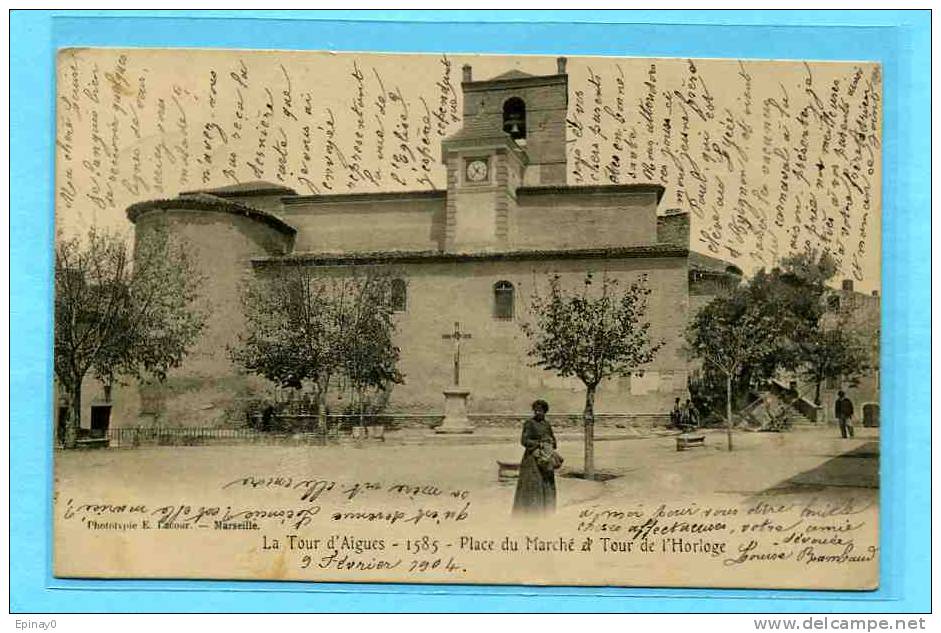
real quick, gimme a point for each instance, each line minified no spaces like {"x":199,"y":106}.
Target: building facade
{"x":860,"y":314}
{"x":473,"y":254}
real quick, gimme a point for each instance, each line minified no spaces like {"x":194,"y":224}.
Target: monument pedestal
{"x":455,"y":412}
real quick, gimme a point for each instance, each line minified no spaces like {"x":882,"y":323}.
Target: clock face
{"x":477,"y":170}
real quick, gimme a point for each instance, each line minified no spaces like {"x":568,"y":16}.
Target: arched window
{"x":399,"y":295}
{"x":514,"y":118}
{"x":503,"y":300}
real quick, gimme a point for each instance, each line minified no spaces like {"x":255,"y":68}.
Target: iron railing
{"x":305,"y":428}
{"x":194,"y":436}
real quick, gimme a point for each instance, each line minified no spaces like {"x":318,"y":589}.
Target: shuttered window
{"x":503,"y":300}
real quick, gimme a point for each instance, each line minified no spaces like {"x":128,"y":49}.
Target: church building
{"x":470,"y":254}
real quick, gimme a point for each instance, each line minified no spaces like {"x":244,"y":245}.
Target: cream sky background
{"x":768,"y":157}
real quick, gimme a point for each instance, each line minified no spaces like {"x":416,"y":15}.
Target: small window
{"x":514,"y":118}
{"x":399,"y":295}
{"x":833,"y":302}
{"x":503,"y":300}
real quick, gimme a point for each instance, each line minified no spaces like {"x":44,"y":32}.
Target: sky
{"x":768,"y":157}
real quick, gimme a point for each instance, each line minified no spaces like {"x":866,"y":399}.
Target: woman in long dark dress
{"x":535,"y":490}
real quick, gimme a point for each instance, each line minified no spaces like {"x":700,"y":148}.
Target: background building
{"x":472,"y":253}
{"x":859,"y":313}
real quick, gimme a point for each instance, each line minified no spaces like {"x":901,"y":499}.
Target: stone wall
{"x":203,"y":390}
{"x":673,"y":228}
{"x":408,"y":221}
{"x":546,"y":101}
{"x":207,"y":390}
{"x":570,"y":218}
{"x":495,"y":366}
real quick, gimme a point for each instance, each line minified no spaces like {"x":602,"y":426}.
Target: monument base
{"x":455,"y":412}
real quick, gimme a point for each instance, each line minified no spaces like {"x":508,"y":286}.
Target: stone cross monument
{"x":455,"y":398}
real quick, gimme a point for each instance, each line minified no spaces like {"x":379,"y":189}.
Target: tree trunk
{"x":589,"y":419}
{"x":74,"y":421}
{"x":322,"y":412}
{"x":362,"y":407}
{"x":817,"y":392}
{"x":320,"y":398}
{"x":728,"y":407}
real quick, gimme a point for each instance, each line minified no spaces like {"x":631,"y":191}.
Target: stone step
{"x":775,"y":404}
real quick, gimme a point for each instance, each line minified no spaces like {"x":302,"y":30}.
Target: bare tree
{"x":591,"y":333}
{"x":115,"y":316}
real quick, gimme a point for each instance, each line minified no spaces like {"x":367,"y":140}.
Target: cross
{"x":457,"y":336}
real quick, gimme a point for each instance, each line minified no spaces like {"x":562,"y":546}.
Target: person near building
{"x":844,"y":414}
{"x":689,"y":416}
{"x":676,"y":415}
{"x":535,"y":490}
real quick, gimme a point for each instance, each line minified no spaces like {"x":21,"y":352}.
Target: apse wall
{"x":221,"y":238}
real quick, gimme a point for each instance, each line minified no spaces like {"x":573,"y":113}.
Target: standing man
{"x":267,"y":416}
{"x":690,"y":416}
{"x":844,"y":413}
{"x":676,"y":415}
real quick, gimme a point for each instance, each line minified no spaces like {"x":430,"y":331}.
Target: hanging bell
{"x":514,"y":126}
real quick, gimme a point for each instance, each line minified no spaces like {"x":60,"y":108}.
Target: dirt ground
{"x":815,"y":480}
{"x":803,"y":459}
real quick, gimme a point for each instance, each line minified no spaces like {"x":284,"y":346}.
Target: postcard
{"x":359,"y":317}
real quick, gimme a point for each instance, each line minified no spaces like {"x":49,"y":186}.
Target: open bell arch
{"x":514,"y":118}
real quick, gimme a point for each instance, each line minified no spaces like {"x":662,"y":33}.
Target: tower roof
{"x":510,"y":74}
{"x":708,"y":264}
{"x":250,"y":188}
{"x":211,"y":202}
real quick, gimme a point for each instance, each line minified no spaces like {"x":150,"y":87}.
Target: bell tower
{"x":513,"y":135}
{"x":531,"y":109}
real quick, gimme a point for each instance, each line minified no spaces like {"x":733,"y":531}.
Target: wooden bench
{"x":690,"y":440}
{"x":92,"y":442}
{"x":507,"y":470}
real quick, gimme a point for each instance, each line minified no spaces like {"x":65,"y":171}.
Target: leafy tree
{"x":822,"y":344}
{"x":370,"y":357}
{"x":117,"y":316}
{"x":305,"y":329}
{"x":776,"y":321}
{"x":286,"y":330}
{"x":591,"y":335}
{"x":795,"y":292}
{"x":734,"y":333}
{"x":833,"y":353}
{"x":814,"y":268}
